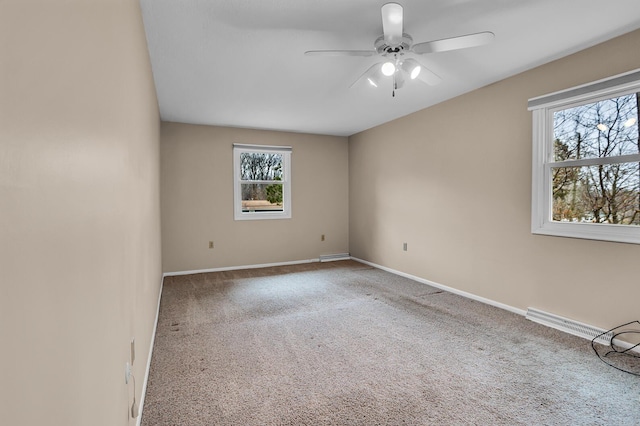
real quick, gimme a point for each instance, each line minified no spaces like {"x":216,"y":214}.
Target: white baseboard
{"x":446,"y":288}
{"x":146,"y":374}
{"x":239,"y":267}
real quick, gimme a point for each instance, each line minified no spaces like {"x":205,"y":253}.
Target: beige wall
{"x":80,"y":215}
{"x":79,"y":210}
{"x":197,"y":200}
{"x":454,"y":182}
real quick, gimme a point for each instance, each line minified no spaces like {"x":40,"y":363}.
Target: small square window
{"x":262,"y":182}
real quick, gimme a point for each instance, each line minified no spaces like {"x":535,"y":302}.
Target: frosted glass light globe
{"x":388,"y":68}
{"x":415,"y":72}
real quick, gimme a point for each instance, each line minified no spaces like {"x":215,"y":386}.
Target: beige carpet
{"x":344,"y":344}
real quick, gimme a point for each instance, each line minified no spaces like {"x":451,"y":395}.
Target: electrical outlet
{"x":127,"y":372}
{"x":404,"y":246}
{"x":322,"y":237}
{"x":210,"y":244}
{"x":133,"y":350}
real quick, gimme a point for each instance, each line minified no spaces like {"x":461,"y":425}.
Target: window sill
{"x":591,"y":231}
{"x":262,"y":216}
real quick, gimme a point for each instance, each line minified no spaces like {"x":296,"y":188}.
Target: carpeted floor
{"x":341,"y":343}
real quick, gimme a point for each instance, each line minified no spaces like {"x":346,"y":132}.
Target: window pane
{"x":597,"y":194}
{"x":258,"y":197}
{"x":260,"y":166}
{"x":600,"y":129}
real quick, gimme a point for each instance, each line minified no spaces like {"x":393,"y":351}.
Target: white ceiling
{"x":241,"y":63}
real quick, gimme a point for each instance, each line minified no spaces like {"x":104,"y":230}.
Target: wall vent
{"x":568,"y":326}
{"x":332,"y":257}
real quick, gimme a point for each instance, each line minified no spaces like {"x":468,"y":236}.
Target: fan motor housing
{"x":383,"y":48}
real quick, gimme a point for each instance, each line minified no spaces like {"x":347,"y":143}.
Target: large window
{"x":262,"y":182}
{"x":586,"y":161}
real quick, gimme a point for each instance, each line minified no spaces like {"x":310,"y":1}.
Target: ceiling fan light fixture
{"x":415,"y":72}
{"x":411,"y":67}
{"x":388,"y":69}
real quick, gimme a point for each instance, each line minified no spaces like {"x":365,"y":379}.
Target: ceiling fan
{"x":399,"y":56}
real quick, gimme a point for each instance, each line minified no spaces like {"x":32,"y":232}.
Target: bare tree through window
{"x":608,"y":191}
{"x":262,"y":173}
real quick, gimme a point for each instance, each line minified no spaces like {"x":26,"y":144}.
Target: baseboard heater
{"x":569,"y":326}
{"x":332,"y":257}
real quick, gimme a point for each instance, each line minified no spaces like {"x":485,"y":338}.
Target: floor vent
{"x":332,"y":257}
{"x":568,"y":326}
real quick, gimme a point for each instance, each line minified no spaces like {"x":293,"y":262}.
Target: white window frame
{"x":543,"y":108}
{"x":285,"y":151}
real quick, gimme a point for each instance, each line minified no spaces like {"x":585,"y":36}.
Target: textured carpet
{"x":341,"y":343}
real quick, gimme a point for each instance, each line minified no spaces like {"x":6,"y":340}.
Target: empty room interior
{"x":341,"y":212}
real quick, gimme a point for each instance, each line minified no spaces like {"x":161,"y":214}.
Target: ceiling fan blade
{"x":368,"y":73}
{"x":454,"y":43}
{"x":340,"y":52}
{"x":428,"y":76}
{"x":392,"y":23}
